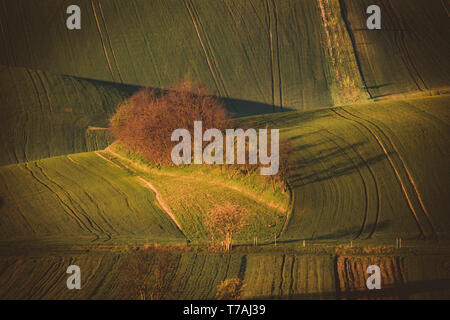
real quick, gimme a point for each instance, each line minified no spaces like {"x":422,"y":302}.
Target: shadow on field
{"x":244,"y":108}
{"x":439,"y":289}
{"x":236,"y":107}
{"x":1,"y":202}
{"x":320,"y":164}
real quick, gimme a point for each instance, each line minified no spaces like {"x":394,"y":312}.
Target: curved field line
{"x":405,"y":193}
{"x":373,"y":178}
{"x":333,"y":184}
{"x":109,"y":42}
{"x":366,"y":205}
{"x":105,"y":51}
{"x":270,"y":51}
{"x":201,"y":43}
{"x":211,"y":50}
{"x":408,"y":173}
{"x":277,"y":45}
{"x":73,"y":202}
{"x":67,"y":208}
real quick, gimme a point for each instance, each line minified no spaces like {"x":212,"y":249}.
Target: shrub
{"x":145,"y":122}
{"x":230,"y":289}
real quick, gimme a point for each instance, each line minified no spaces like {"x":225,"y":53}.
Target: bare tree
{"x":225,"y":221}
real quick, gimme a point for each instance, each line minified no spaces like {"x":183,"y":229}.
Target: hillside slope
{"x":79,"y":199}
{"x":369,"y":171}
{"x":287,"y":53}
{"x":410,"y":52}
{"x":271,"y":52}
{"x":45,"y":115}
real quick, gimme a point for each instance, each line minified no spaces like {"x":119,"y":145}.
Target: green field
{"x":409,"y":53}
{"x":366,"y":112}
{"x":369,"y":171}
{"x":286,"y":53}
{"x":46,"y":115}
{"x":79,"y":199}
{"x":197,"y":275}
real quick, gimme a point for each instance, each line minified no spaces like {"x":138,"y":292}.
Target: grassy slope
{"x":369,"y":171}
{"x":409,"y":53}
{"x":79,"y":199}
{"x":361,"y":174}
{"x":86,"y":197}
{"x":45,"y":115}
{"x":191,"y":193}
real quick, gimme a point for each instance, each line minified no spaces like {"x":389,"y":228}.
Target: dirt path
{"x":149,"y":185}
{"x":214,"y":183}
{"x":160,"y":201}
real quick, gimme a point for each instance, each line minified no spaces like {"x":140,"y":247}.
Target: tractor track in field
{"x":408,"y":198}
{"x":96,"y":228}
{"x":189,"y":8}
{"x":377,"y":189}
{"x":68,"y":210}
{"x":397,"y":175}
{"x":210,"y":48}
{"x":108,"y":38}
{"x":366,"y":194}
{"x":408,"y":173}
{"x":105,"y":50}
{"x":399,"y":40}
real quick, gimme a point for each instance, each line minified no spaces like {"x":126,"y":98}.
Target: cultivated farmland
{"x":45,"y":115}
{"x":369,"y":171}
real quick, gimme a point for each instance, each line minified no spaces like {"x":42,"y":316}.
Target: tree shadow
{"x":236,"y":107}
{"x":326,"y":164}
{"x":244,"y":108}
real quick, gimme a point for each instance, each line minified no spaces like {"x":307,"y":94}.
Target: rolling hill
{"x":287,"y":53}
{"x":46,"y":115}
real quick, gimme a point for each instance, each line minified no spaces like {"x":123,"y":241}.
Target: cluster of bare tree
{"x":145,"y":122}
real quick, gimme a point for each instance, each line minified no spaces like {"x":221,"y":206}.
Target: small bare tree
{"x":225,"y":221}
